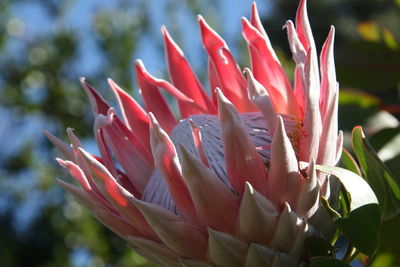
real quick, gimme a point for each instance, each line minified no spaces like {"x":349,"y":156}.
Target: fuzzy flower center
{"x":156,"y":190}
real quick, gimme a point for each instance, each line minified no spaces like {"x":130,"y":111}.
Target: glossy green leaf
{"x":362,"y":224}
{"x":327,"y":262}
{"x":384,"y":184}
{"x":333,"y":213}
{"x":349,"y":162}
{"x":317,"y":246}
{"x":360,"y":192}
{"x":362,"y":227}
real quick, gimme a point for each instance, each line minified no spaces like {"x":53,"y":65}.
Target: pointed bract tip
{"x":226,"y":110}
{"x":89,"y":158}
{"x":189,"y":162}
{"x":204,"y":27}
{"x":85,"y":84}
{"x":331,"y":34}
{"x":287,"y":208}
{"x":200,"y":18}
{"x":105,"y":120}
{"x":248,"y":188}
{"x":245,"y":22}
{"x":170,"y":43}
{"x":255,"y":89}
{"x":211,"y":232}
{"x":165,"y":33}
{"x":279,"y":123}
{"x":52,"y":138}
{"x":65,"y":185}
{"x":155,"y":128}
{"x":48,"y":134}
{"x":60,"y":180}
{"x":101,"y":121}
{"x":287,"y":24}
{"x":311,"y":168}
{"x":250,"y":77}
{"x":192,"y":124}
{"x":164,"y":30}
{"x":153,"y":120}
{"x":220,"y":96}
{"x":280,"y":126}
{"x":112,"y":84}
{"x":253,"y":85}
{"x":85,"y":154}
{"x":247,"y":71}
{"x":117,"y":90}
{"x":222,"y":100}
{"x":111,"y":113}
{"x":139,"y":64}
{"x":62,"y":162}
{"x":303,"y":165}
{"x":72,"y":137}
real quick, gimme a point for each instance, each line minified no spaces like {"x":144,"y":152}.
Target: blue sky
{"x":224,"y":15}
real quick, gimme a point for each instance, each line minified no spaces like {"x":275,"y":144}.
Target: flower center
{"x":156,"y":190}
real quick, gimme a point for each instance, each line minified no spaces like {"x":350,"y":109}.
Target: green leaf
{"x":349,"y":162}
{"x":362,"y":223}
{"x":384,"y":184}
{"x":333,"y":213}
{"x":360,"y":192}
{"x":317,"y":246}
{"x":327,"y":262}
{"x":362,"y":227}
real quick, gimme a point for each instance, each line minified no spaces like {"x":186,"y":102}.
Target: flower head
{"x":225,"y":184}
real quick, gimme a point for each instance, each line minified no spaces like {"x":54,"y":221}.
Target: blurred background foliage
{"x":45,"y":45}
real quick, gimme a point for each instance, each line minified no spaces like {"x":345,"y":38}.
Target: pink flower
{"x":224,"y":185}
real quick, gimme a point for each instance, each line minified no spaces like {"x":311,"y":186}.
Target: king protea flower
{"x":222,"y":186}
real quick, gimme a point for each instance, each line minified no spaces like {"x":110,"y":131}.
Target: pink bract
{"x":233,"y":182}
